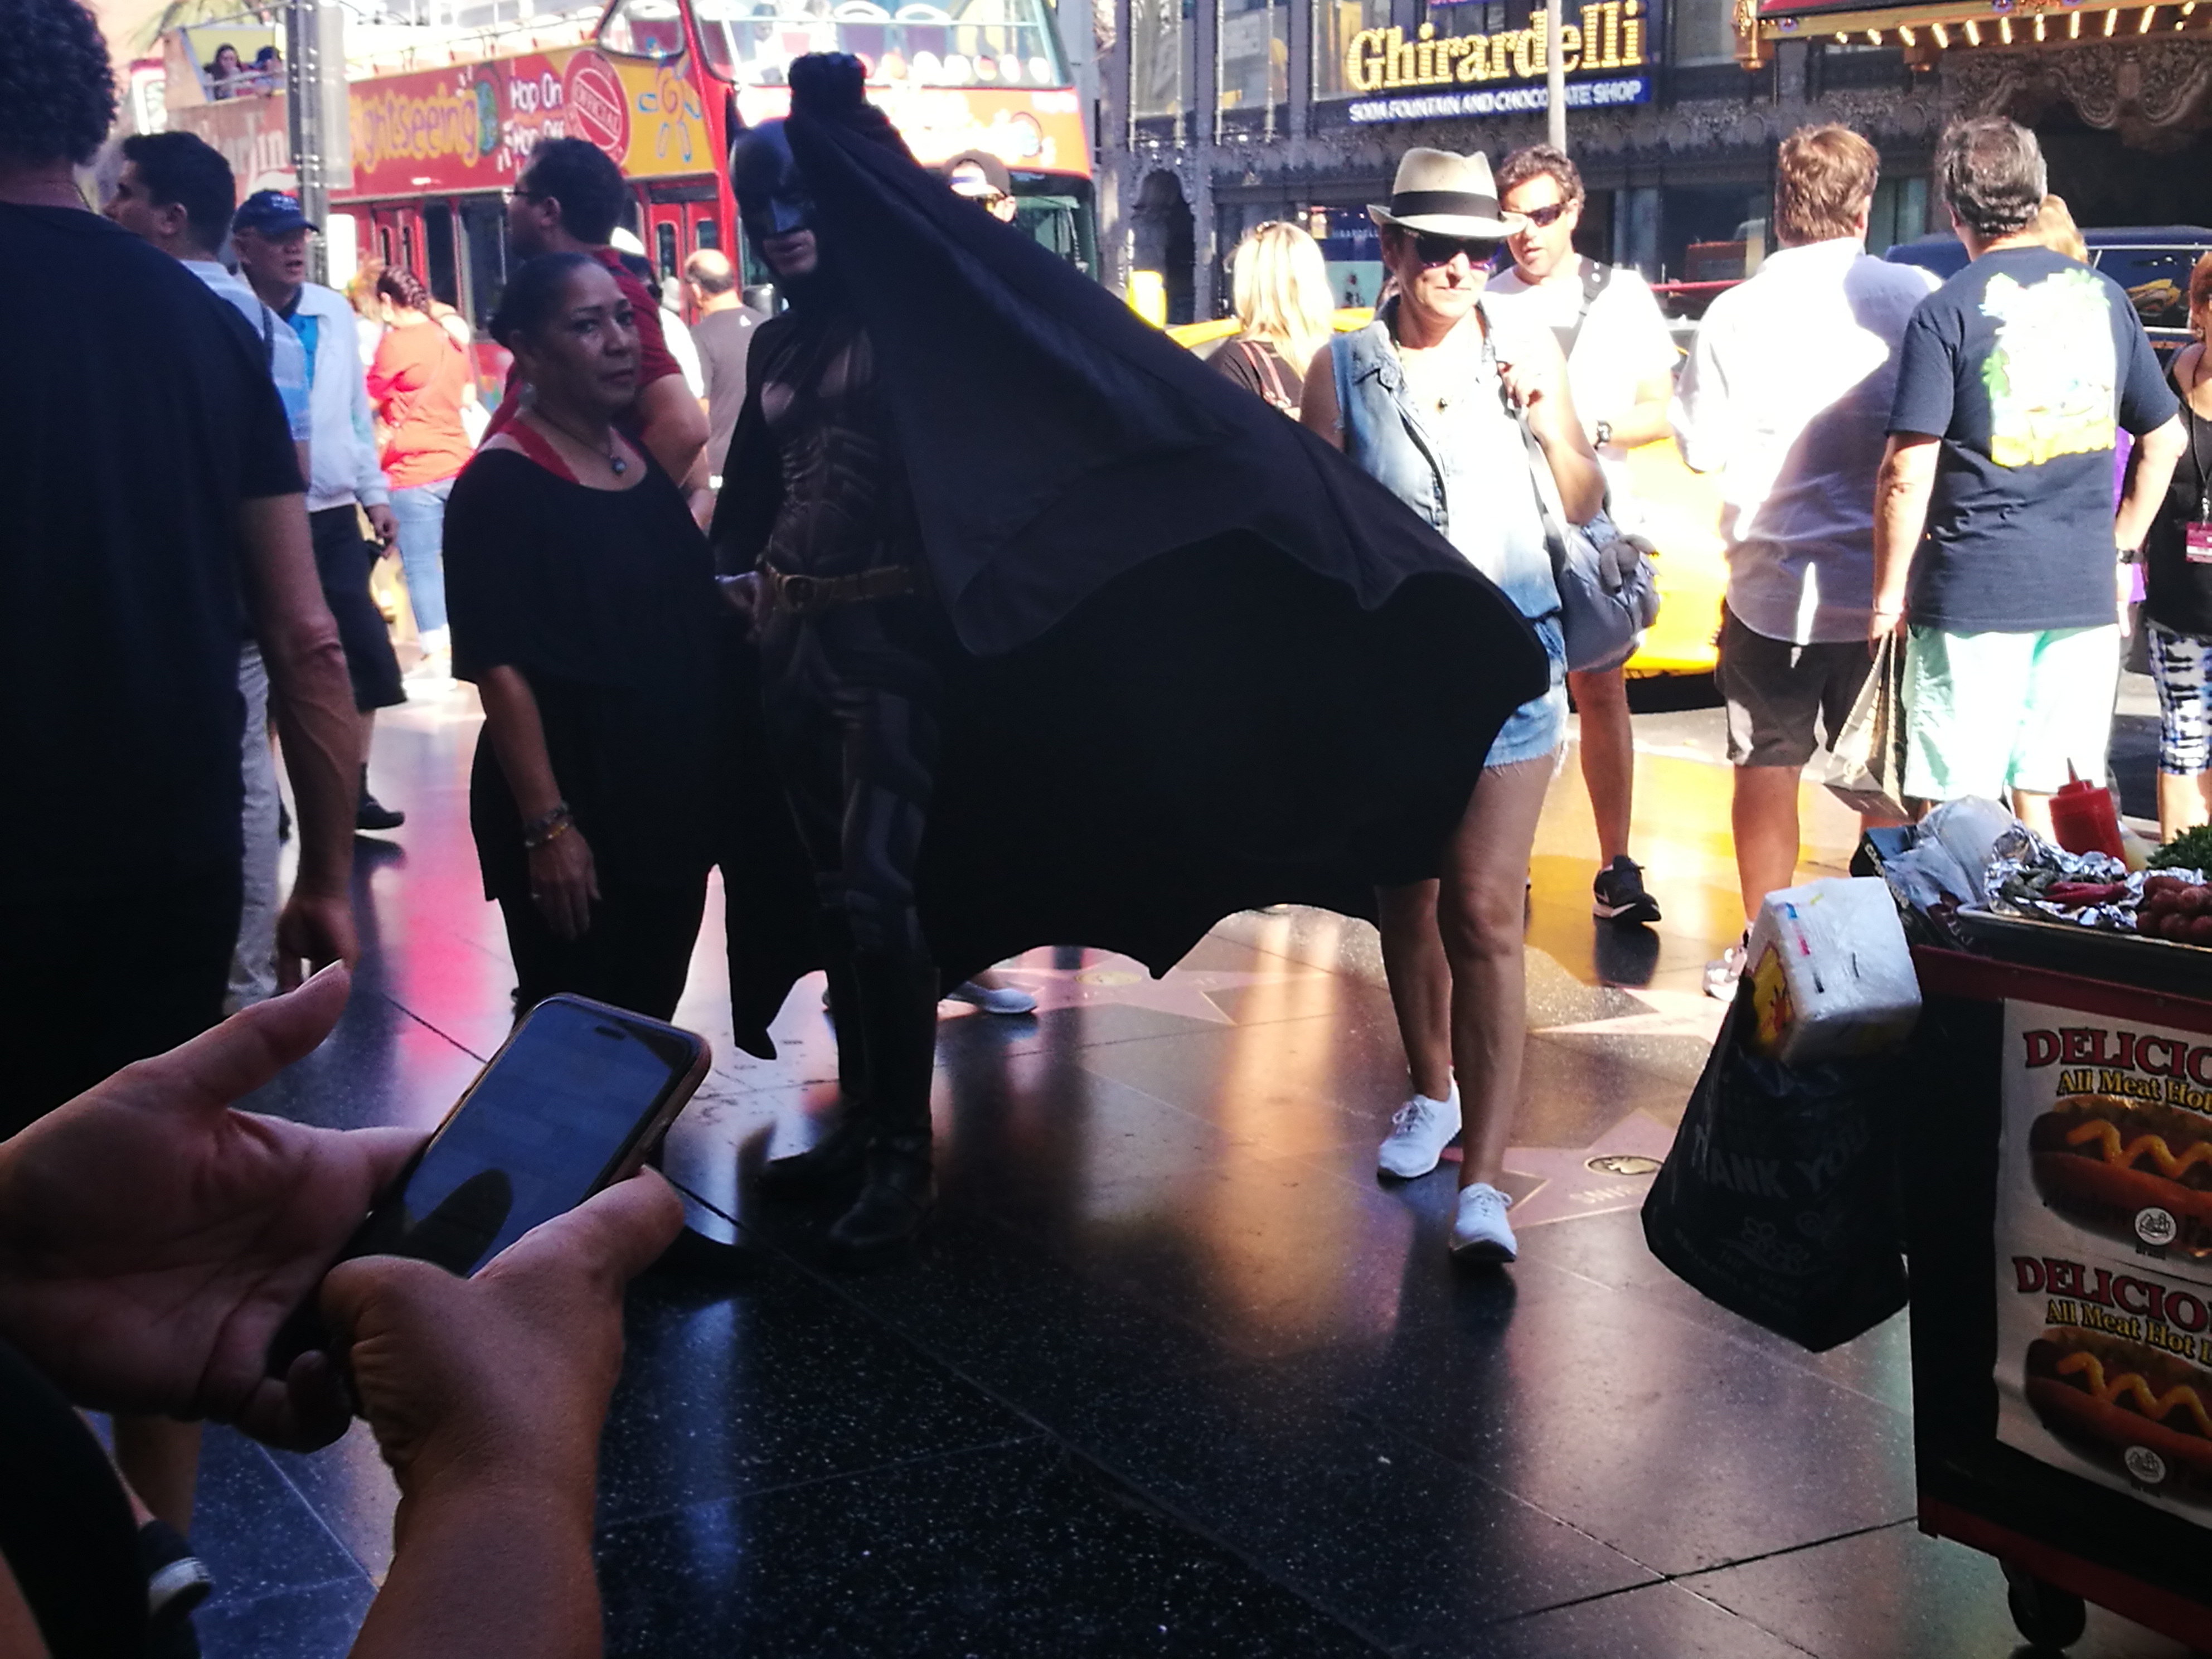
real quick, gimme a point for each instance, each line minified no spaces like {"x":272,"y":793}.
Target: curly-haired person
{"x":151,"y":486}
{"x":56,"y":91}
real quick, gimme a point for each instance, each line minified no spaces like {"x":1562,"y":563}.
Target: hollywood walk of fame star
{"x":1666,"y":1013}
{"x":1571,"y":1187}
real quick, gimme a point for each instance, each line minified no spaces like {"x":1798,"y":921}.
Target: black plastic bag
{"x":1778,"y":1200}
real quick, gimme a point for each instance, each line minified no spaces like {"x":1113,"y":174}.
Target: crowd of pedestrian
{"x":1982,"y":472}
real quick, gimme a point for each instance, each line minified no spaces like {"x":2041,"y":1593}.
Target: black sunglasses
{"x":1543,"y":217}
{"x":1442,"y":250}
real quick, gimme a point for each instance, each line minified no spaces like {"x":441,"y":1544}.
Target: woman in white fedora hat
{"x":1429,"y":398}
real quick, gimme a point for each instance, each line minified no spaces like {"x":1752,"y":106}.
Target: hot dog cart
{"x":2062,"y":1296}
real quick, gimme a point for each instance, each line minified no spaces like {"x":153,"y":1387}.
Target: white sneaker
{"x":994,"y":998}
{"x":1721,"y":975}
{"x":1479,"y":1231}
{"x":1419,"y":1132}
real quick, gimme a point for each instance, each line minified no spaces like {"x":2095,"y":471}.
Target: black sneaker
{"x":373,"y":814}
{"x":1618,"y":894}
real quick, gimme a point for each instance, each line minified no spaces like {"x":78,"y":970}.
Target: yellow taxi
{"x":1681,"y":518}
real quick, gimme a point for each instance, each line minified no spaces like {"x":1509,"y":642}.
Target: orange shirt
{"x":416,"y":385}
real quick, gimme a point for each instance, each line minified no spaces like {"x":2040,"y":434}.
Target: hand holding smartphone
{"x":576,"y":1098}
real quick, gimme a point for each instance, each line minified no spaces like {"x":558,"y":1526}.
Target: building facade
{"x":1215,"y":115}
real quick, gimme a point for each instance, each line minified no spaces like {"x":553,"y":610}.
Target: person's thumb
{"x":351,"y":1288}
{"x":614,"y":1234}
{"x":238,"y":1056}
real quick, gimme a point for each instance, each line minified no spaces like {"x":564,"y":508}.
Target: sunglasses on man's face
{"x":1443,"y":250}
{"x":1545,"y":217}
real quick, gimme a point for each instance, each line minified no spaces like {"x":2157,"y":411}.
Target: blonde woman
{"x":2053,"y":226}
{"x":1284,"y":313}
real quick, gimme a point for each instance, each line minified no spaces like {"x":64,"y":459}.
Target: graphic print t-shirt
{"x":2026,"y":364}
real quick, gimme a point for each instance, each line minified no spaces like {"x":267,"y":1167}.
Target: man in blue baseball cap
{"x":270,"y":235}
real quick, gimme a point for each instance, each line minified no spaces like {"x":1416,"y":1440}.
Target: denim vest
{"x":1464,"y":468}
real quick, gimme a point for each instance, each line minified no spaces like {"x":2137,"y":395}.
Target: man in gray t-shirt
{"x":724,"y":334}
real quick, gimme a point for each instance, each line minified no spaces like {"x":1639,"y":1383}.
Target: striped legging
{"x":2181,"y":666}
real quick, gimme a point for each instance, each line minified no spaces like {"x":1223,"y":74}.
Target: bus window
{"x":705,"y":234}
{"x":961,"y":43}
{"x":645,"y":28}
{"x":1059,"y":217}
{"x":483,"y":240}
{"x":407,"y":247}
{"x":443,"y":275}
{"x":663,"y":249}
{"x":384,"y":245}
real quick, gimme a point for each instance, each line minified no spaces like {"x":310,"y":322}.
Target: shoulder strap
{"x":1541,"y":481}
{"x":268,"y":339}
{"x":531,"y":442}
{"x":1264,"y":361}
{"x":1595,"y":277}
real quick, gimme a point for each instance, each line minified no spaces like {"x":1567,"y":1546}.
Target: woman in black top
{"x":2178,"y":602}
{"x":583,"y":607}
{"x":1280,"y":285}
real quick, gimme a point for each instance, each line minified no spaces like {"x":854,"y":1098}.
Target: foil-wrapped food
{"x":2030,"y":876}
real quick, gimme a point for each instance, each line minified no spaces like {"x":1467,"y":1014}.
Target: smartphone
{"x":576,"y":1098}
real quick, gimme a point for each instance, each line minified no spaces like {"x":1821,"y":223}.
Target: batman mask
{"x":772,"y":198}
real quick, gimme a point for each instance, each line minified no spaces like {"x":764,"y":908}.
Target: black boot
{"x":894,"y":1202}
{"x":834,"y":1162}
{"x":831,"y":1162}
{"x":898,"y":1017}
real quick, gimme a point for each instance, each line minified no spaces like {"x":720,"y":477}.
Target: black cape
{"x":1214,"y":665}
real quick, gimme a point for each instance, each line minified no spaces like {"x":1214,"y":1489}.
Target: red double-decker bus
{"x":659,"y":85}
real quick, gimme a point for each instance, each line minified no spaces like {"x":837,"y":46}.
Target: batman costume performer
{"x":1062,"y":638}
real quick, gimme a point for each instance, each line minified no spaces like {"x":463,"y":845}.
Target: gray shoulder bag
{"x":1608,"y":593}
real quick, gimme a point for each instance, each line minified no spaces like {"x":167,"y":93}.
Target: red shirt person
{"x":568,"y":200}
{"x":417,"y":382}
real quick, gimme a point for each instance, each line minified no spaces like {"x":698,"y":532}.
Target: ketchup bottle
{"x":2082,"y":817}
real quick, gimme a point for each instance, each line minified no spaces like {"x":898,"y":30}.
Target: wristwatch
{"x":1604,"y":433}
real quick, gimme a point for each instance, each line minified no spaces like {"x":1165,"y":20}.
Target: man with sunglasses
{"x":982,"y":178}
{"x":1620,"y":365}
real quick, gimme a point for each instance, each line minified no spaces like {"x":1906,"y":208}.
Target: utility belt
{"x":807,"y":596}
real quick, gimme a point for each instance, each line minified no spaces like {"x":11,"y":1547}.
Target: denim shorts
{"x":1535,"y":728}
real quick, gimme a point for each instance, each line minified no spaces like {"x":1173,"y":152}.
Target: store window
{"x":1338,"y":27}
{"x":1256,"y":54}
{"x":1704,"y":31}
{"x":1352,"y":249}
{"x":1159,"y":56}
